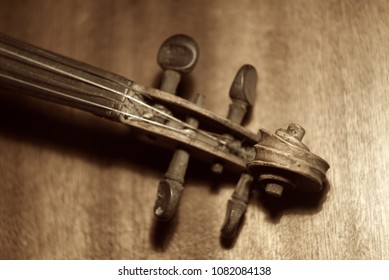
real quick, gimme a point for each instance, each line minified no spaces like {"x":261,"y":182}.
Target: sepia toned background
{"x":73,"y":186}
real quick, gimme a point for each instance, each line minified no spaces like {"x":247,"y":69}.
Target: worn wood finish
{"x":74,"y":186}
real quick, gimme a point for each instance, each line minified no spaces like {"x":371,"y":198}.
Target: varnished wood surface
{"x":73,"y":186}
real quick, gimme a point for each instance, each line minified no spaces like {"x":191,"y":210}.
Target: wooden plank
{"x":72,"y":190}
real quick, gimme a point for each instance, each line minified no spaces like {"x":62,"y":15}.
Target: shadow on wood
{"x":71,"y":131}
{"x":291,"y":202}
{"x":162,"y":233}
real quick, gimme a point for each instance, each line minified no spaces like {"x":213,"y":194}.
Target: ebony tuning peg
{"x":242,"y":94}
{"x":177,"y":56}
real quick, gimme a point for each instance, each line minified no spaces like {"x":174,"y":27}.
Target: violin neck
{"x":151,"y":113}
{"x":34,"y":71}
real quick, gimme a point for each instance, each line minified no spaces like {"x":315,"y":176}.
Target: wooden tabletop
{"x":74,"y":186}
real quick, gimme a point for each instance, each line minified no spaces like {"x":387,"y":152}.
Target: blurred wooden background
{"x":73,"y":186}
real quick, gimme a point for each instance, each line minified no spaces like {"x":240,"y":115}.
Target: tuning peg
{"x":242,"y":93}
{"x":236,"y":206}
{"x":178,"y":55}
{"x":172,"y":185}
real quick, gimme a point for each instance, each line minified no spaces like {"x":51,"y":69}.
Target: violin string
{"x":98,"y":85}
{"x":131,"y":98}
{"x":171,"y":118}
{"x":108,"y":108}
{"x":64,"y":95}
{"x":57,"y":70}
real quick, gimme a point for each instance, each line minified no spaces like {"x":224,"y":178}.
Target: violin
{"x":276,"y":161}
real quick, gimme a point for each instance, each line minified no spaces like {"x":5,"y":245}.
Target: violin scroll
{"x":283,"y":161}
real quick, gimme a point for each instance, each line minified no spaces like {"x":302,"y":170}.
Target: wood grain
{"x":77,"y":187}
